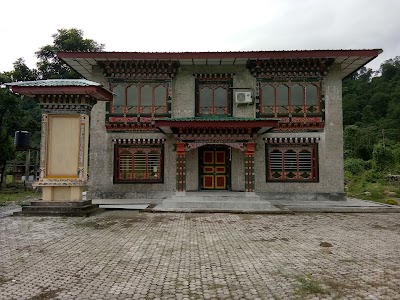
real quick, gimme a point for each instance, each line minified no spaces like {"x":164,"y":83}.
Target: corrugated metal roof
{"x":350,"y":60}
{"x":55,"y":82}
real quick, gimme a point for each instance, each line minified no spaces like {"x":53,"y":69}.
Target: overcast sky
{"x":206,"y":25}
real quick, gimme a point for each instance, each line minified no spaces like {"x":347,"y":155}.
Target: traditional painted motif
{"x":43,"y":146}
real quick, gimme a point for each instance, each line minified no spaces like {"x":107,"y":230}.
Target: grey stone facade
{"x":330,"y":144}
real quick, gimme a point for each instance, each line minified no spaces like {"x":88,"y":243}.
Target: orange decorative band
{"x":139,"y":141}
{"x":214,"y":76}
{"x":295,"y":140}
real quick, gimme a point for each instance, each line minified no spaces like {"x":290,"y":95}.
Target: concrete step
{"x":55,"y":213}
{"x":54,"y":208}
{"x":59,"y":203}
{"x":215,"y":196}
{"x":217,"y":199}
{"x":59,"y":208}
{"x":225,"y":205}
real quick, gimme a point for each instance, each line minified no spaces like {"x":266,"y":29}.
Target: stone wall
{"x":330,"y":147}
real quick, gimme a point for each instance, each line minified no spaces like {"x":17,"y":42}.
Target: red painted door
{"x":214,"y":170}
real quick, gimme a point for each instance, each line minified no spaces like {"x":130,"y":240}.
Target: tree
{"x":9,"y":114}
{"x":50,"y":66}
{"x":22,"y":72}
{"x":23,"y":113}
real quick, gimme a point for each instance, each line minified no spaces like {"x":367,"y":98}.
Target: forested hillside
{"x":371,"y":116}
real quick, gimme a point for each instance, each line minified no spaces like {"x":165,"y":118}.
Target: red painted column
{"x":180,"y":167}
{"x":249,"y":167}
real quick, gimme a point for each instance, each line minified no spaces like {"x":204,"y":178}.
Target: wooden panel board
{"x":63,"y":146}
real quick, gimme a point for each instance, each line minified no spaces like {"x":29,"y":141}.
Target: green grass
{"x":308,"y":285}
{"x":8,"y":196}
{"x":367,"y":187}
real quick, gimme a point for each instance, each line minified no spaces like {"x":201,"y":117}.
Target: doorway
{"x":214,"y":167}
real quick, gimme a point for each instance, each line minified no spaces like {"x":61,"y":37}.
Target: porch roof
{"x":61,"y":87}
{"x":172,"y":125}
{"x":350,"y":60}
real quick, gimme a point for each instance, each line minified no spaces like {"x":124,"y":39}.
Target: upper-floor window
{"x":140,"y":98}
{"x":291,"y":98}
{"x":214,"y":98}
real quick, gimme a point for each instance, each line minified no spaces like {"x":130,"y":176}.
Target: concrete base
{"x":296,"y":197}
{"x":215,"y":201}
{"x":62,"y":193}
{"x":52,"y":208}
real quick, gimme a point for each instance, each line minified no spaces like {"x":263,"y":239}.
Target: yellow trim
{"x":220,"y":163}
{"x":216,"y":182}
{"x":61,"y":176}
{"x":204,"y":157}
{"x":204,"y":182}
{"x":208,"y":172}
{"x":220,"y":172}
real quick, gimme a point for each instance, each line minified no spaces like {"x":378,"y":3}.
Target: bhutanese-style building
{"x":268,"y":123}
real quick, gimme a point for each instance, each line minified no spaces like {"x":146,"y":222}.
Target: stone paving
{"x":131,"y":255}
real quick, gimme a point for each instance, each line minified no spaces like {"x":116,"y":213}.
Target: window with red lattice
{"x":292,"y":162}
{"x":138,"y":163}
{"x":290,"y":98}
{"x":213,"y":98}
{"x":145,"y":98}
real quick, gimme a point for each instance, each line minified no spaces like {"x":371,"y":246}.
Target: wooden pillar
{"x":249,"y":167}
{"x":180,"y":167}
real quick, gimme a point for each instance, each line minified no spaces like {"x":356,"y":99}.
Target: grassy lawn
{"x":15,"y":195}
{"x":375,"y":190}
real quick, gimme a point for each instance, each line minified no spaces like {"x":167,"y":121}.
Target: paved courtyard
{"x":130,"y":255}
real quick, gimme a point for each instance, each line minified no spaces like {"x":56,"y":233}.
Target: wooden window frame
{"x":214,"y":85}
{"x":291,"y":110}
{"x":312,"y":148}
{"x":140,"y":110}
{"x":134,"y":149}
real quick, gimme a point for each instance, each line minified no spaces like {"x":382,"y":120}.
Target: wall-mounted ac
{"x":243,"y":98}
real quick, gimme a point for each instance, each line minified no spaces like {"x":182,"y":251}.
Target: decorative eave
{"x":292,"y":68}
{"x":213,"y":76}
{"x":139,"y":141}
{"x":201,"y":125}
{"x":61,"y":88}
{"x":139,"y":69}
{"x":350,"y":60}
{"x":292,"y":140}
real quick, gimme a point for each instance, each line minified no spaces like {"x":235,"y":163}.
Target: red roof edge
{"x":216,"y":55}
{"x":96,"y":92}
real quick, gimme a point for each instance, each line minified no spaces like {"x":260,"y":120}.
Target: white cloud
{"x":204,"y":25}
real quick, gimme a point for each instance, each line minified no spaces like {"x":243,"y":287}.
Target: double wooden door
{"x":214,"y":168}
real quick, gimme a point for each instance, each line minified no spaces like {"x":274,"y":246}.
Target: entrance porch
{"x":221,"y":201}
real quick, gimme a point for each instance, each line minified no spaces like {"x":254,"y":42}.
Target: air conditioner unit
{"x":243,"y":98}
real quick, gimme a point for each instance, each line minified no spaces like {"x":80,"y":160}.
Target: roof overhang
{"x":350,"y":60}
{"x":96,"y":92}
{"x":255,"y":126}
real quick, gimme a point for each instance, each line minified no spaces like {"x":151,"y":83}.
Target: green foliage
{"x":370,"y":185}
{"x":355,"y":165}
{"x":50,"y":66}
{"x":392,"y":202}
{"x":15,"y":195}
{"x":22,"y":113}
{"x":383,"y":157}
{"x":371,"y":108}
{"x":16,"y":113}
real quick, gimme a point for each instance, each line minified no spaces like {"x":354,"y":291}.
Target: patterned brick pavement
{"x":128,"y":255}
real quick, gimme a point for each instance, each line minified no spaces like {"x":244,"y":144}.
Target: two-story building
{"x":268,"y":122}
